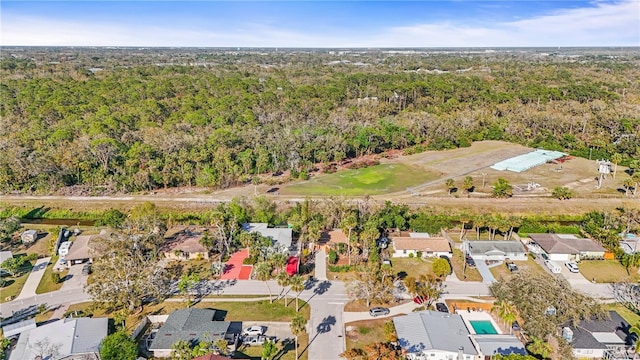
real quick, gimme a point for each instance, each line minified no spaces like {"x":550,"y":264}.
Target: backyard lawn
{"x":470,"y":274}
{"x":606,"y":271}
{"x":631,"y":317}
{"x":373,"y":180}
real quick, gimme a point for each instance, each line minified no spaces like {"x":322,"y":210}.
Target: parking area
{"x":281,"y":330}
{"x":74,"y":279}
{"x":571,"y":277}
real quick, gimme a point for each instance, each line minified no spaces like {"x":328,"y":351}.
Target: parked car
{"x":544,"y":256}
{"x":512,"y":267}
{"x":470,"y":262}
{"x":378,"y":311}
{"x":254,"y":340}
{"x":86,"y":269}
{"x":572,"y":266}
{"x":386,"y":261}
{"x":442,"y":307}
{"x":555,"y":268}
{"x":515,"y":326}
{"x":253,"y":331}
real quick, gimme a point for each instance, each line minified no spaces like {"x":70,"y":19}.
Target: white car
{"x":253,"y":331}
{"x":572,"y":266}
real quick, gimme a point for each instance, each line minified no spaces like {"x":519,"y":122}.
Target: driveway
{"x":483,"y":269}
{"x":281,"y":330}
{"x":30,"y":286}
{"x":74,"y":279}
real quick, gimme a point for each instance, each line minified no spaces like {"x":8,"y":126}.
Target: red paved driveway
{"x":234,"y":269}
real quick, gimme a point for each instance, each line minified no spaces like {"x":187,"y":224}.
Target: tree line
{"x":136,"y":126}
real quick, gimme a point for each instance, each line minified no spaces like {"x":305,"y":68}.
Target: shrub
{"x":411,"y":255}
{"x":333,"y":257}
{"x":55,"y":277}
{"x":251,"y":260}
{"x":418,"y":254}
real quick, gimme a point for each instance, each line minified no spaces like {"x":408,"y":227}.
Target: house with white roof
{"x":69,"y":338}
{"x":281,"y":236}
{"x":429,"y":335}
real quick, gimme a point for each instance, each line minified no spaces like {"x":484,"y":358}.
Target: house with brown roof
{"x":331,"y":239}
{"x":565,"y":247}
{"x":428,"y":246}
{"x":184,"y":243}
{"x":80,"y":250}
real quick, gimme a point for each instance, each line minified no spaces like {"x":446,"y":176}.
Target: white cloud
{"x":603,"y":24}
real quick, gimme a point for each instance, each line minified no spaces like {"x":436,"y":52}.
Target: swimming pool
{"x":483,"y":327}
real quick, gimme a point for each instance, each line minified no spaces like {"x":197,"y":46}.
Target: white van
{"x":555,"y":268}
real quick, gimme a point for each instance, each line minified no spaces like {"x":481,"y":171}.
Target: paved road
{"x":30,"y":286}
{"x":52,"y":299}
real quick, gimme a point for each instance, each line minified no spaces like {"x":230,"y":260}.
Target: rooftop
{"x":185,"y":239}
{"x":189,"y":324}
{"x":499,"y":344}
{"x":430,"y":244}
{"x":427,"y":330}
{"x":565,"y":244}
{"x":598,"y":333}
{"x":282,"y":236}
{"x":502,"y":246}
{"x":80,"y":248}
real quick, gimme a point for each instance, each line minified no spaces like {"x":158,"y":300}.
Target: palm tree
{"x":464,"y":220}
{"x":636,"y":331}
{"x":505,"y":311}
{"x":283,"y":281}
{"x":539,"y":347}
{"x":615,"y":159}
{"x":297,"y":285}
{"x":262,"y":272}
{"x":467,"y":184}
{"x":450,"y":185}
{"x":349,"y":223}
{"x":298,"y":326}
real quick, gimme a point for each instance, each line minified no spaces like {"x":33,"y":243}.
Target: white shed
{"x":29,"y":236}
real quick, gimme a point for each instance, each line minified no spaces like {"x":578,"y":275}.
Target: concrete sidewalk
{"x":30,"y":286}
{"x":321,"y":265}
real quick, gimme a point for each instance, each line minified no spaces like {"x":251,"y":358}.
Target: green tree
{"x":562,"y":193}
{"x":269,"y":349}
{"x":540,"y":348}
{"x":112,"y":217}
{"x":635,"y":329}
{"x":283,"y":281}
{"x":186,"y":284}
{"x":390,"y":334}
{"x":616,"y":159}
{"x":297,"y":285}
{"x":181,"y":350}
{"x":222,"y":345}
{"x":441,"y":267}
{"x":450,"y":184}
{"x":502,"y":189}
{"x":118,"y":346}
{"x":348,"y":224}
{"x":467,"y":184}
{"x":262,"y":271}
{"x":298,"y":326}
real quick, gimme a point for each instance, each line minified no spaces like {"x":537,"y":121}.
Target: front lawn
{"x":607,"y":271}
{"x":15,"y":284}
{"x":365,"y":332}
{"x":501,"y":271}
{"x":373,"y":180}
{"x":414,"y":267}
{"x":46,"y":283}
{"x":469,"y":274}
{"x":287,"y":350}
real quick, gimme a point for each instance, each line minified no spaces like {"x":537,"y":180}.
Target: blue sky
{"x":352,"y":23}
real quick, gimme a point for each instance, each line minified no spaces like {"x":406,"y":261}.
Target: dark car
{"x":442,"y":307}
{"x":512,"y":267}
{"x":378,"y":311}
{"x":469,"y":261}
{"x":449,"y":261}
{"x":515,"y":326}
{"x":544,"y":256}
{"x":86,"y":269}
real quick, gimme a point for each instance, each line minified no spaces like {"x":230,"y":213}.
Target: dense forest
{"x":129,"y":120}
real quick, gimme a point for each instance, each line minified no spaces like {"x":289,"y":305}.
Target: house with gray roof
{"x":434,"y":336}
{"x":281,"y":237}
{"x":565,"y":247}
{"x":499,"y":344}
{"x":601,"y":338}
{"x":69,"y":338}
{"x":496,"y":250}
{"x":193,"y":325}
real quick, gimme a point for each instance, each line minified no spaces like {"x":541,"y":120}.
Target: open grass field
{"x":606,"y":271}
{"x":365,"y":332}
{"x":374,"y":180}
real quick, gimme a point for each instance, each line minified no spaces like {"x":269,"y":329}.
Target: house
{"x":428,"y":246}
{"x":565,"y":247}
{"x":332,"y":238}
{"x":498,"y":250}
{"x":185,"y":244}
{"x":193,"y":325}
{"x":630,"y":243}
{"x":281,"y":236}
{"x":501,"y":344}
{"x":80,"y":250}
{"x":598,"y":339}
{"x":18,"y":328}
{"x":68,"y":338}
{"x":429,"y":335}
{"x":29,"y":236}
